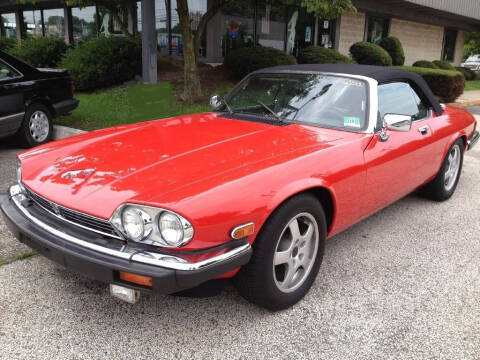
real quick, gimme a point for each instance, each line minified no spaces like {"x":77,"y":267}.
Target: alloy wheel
{"x":453,"y":167}
{"x":295,"y":252}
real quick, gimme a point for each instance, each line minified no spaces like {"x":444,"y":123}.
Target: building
{"x":428,"y":29}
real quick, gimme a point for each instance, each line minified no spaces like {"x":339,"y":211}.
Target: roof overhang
{"x":406,"y":10}
{"x":12,"y":5}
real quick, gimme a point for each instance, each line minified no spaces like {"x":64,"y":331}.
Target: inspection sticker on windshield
{"x":351,"y":121}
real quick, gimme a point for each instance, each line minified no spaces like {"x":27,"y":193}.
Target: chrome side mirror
{"x":215,"y":101}
{"x":395,"y":122}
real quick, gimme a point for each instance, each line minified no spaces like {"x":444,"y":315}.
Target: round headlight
{"x":171,"y":229}
{"x":133,"y":223}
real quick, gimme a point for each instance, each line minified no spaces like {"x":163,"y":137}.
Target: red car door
{"x":403,"y":162}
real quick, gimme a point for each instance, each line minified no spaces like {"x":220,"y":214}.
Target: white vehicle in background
{"x":472,"y":63}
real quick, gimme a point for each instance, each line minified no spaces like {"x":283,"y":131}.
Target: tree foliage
{"x":472,"y":44}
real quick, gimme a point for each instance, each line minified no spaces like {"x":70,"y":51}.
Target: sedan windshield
{"x":473,"y":58}
{"x":322,"y":100}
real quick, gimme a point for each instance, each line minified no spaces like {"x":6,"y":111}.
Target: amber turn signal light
{"x":135,"y":279}
{"x":242,"y":231}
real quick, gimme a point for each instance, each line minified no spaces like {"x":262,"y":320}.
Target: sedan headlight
{"x":154,"y":226}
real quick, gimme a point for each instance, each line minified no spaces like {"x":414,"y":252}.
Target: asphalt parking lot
{"x":403,"y":284}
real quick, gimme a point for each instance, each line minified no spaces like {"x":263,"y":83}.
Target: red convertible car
{"x":251,"y":191}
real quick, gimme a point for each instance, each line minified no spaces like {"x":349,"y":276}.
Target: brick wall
{"x":352,"y":28}
{"x":420,"y":41}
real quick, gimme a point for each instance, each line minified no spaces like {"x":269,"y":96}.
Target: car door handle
{"x":423,"y":130}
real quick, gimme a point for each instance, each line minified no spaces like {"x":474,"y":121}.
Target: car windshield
{"x":473,"y":58}
{"x":322,"y":100}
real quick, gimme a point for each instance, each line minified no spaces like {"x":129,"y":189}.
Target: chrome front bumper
{"x":67,"y":243}
{"x":473,"y":140}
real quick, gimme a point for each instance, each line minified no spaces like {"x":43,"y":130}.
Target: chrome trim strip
{"x":8,"y":117}
{"x":239,"y":226}
{"x":474,"y":139}
{"x":146,"y":257}
{"x":77,"y":212}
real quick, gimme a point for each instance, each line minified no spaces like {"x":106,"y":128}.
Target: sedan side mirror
{"x":395,"y":122}
{"x":215,"y":101}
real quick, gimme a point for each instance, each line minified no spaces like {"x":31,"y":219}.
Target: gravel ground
{"x":403,"y":284}
{"x":9,"y":247}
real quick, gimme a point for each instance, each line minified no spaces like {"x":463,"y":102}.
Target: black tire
{"x":437,"y":189}
{"x":24,"y":134}
{"x":256,"y":281}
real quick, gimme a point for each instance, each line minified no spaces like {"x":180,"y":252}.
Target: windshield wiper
{"x":270,"y":110}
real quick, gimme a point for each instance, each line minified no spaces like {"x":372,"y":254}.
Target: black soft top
{"x":382,"y":74}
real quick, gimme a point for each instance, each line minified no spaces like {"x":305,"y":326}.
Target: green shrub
{"x":7,"y":44}
{"x":394,"y":47}
{"x":467,"y":73}
{"x":244,"y":60}
{"x":425,"y":64}
{"x":102,"y":62}
{"x":321,"y":55}
{"x":446,"y":84}
{"x":40,"y":51}
{"x":370,"y":54}
{"x":444,"y":65}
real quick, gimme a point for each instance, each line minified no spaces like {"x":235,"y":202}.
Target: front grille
{"x":85,"y":221}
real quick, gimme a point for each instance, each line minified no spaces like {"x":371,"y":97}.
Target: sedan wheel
{"x":296,"y":252}
{"x":39,"y":126}
{"x":287,"y":254}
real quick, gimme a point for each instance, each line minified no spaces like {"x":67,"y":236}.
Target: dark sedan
{"x":30,"y":98}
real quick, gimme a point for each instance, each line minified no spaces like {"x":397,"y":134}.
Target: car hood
{"x":97,"y":171}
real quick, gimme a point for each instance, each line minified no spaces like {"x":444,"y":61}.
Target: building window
{"x":33,"y":23}
{"x":9,"y":25}
{"x":376,"y":29}
{"x":54,"y":23}
{"x":271,"y":25}
{"x":84,"y":23}
{"x":449,"y":41}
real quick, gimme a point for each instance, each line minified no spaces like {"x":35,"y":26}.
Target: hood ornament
{"x":81,"y":174}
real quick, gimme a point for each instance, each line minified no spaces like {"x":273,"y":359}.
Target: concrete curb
{"x":60,"y":132}
{"x":467,"y":103}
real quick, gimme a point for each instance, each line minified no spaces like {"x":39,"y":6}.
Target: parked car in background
{"x":30,"y":98}
{"x":251,"y":190}
{"x":472,"y":63}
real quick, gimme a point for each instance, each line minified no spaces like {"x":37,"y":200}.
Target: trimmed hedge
{"x":446,"y":84}
{"x":394,"y":47}
{"x":102,"y":62}
{"x":244,"y":60}
{"x":7,"y":44}
{"x":425,"y":64}
{"x":467,"y":73}
{"x":322,"y":55}
{"x":40,"y":51}
{"x":444,"y":65}
{"x":370,"y":54}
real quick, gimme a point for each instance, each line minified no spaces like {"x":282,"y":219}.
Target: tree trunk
{"x":192,"y":88}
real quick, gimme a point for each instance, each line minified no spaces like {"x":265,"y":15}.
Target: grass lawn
{"x":124,"y":105}
{"x":472,"y":85}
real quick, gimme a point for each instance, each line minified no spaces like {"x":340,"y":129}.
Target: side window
{"x":6,"y":72}
{"x":400,"y":98}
